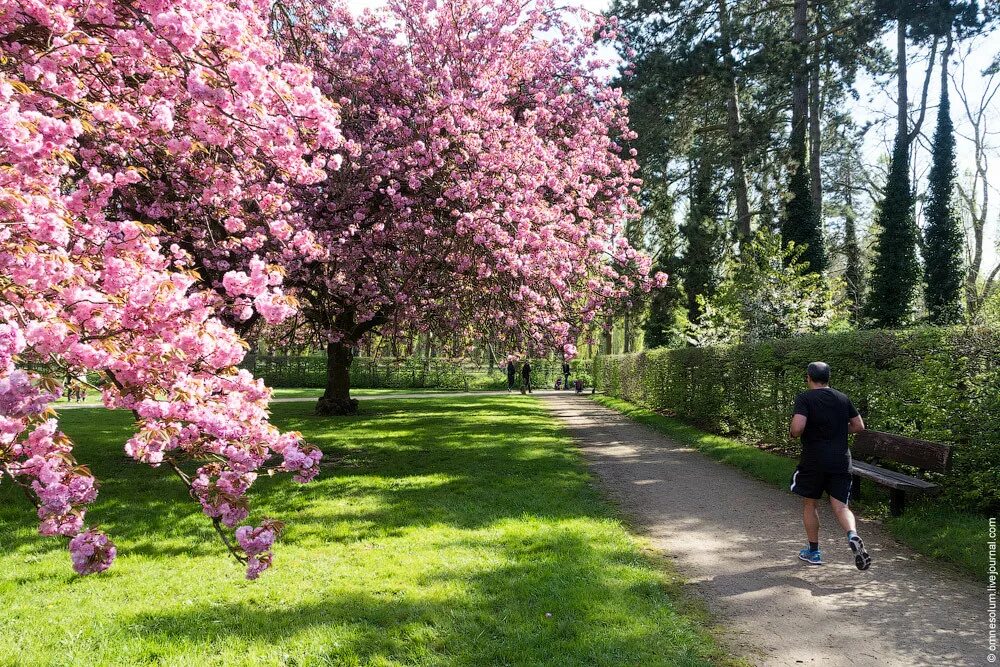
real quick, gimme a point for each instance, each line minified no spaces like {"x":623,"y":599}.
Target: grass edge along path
{"x":444,"y":531}
{"x":953,"y":537}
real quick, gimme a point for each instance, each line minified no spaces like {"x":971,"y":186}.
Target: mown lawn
{"x":442,"y":532}
{"x":94,"y":398}
{"x":928,"y":526}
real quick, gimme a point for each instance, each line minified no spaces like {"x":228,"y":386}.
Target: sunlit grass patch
{"x":442,"y":531}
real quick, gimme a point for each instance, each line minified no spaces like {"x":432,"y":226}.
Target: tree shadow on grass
{"x":402,"y":465}
{"x":545,"y":598}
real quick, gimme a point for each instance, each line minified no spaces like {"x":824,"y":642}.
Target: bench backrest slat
{"x":923,"y":454}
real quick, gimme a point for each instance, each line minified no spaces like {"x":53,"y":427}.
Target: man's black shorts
{"x":811,"y":483}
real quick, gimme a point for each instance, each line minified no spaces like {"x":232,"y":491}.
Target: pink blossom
{"x":92,"y":552}
{"x":86,"y":88}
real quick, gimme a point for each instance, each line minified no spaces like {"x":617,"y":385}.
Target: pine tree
{"x":896,"y":272}
{"x":664,"y":323}
{"x":944,"y":271}
{"x":801,"y":223}
{"x":703,"y":233}
{"x":854,"y":272}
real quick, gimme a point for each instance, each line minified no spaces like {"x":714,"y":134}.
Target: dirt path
{"x":737,"y":539}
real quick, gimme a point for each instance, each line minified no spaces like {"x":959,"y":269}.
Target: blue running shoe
{"x":861,"y":557}
{"x":811,"y":557}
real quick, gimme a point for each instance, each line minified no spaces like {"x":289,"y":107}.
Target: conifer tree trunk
{"x":815,"y":135}
{"x":902,"y":87}
{"x":854,"y":274}
{"x":734,"y":127}
{"x":801,"y":224}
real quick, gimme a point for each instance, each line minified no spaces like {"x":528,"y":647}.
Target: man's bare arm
{"x":856,"y":425}
{"x":797,"y":426}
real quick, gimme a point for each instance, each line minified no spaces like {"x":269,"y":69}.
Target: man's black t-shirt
{"x":824,"y":441}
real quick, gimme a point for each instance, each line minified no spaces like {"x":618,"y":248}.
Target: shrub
{"x":283,"y":371}
{"x":940,"y":384}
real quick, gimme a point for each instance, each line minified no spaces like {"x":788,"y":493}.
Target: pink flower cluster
{"x":91,"y":552}
{"x":486,"y":184}
{"x":174,"y":171}
{"x":148,"y":154}
{"x":256,"y":544}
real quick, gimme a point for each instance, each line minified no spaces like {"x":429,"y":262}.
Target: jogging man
{"x":823,"y":418}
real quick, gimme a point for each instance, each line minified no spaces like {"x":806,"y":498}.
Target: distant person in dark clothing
{"x":565,"y":372}
{"x":526,"y":376}
{"x":822,"y":419}
{"x":511,"y":374}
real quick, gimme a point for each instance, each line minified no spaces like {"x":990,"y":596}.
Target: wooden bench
{"x":922,"y":454}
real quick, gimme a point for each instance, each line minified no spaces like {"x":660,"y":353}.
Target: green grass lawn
{"x":955,"y":537}
{"x":94,"y":398}
{"x":316,"y":393}
{"x":441,"y":532}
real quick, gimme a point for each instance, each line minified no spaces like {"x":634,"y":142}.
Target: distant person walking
{"x":822,"y":419}
{"x":511,"y":374}
{"x":565,"y":372}
{"x":526,"y":375}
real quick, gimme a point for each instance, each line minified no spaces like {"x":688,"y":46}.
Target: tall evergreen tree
{"x":854,"y":273}
{"x":663,"y":324}
{"x":896,"y":272}
{"x":943,"y":264}
{"x":801,"y":222}
{"x":703,"y":235}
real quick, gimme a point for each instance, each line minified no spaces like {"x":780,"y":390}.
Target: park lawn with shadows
{"x":94,"y":397}
{"x":928,"y":526}
{"x":444,"y":531}
{"x":316,"y":393}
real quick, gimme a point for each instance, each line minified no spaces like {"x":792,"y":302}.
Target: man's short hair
{"x":819,"y":371}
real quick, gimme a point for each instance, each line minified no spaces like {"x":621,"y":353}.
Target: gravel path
{"x":737,"y":540}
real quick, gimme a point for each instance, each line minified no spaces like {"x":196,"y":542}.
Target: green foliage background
{"x":309,"y":371}
{"x":940,"y":384}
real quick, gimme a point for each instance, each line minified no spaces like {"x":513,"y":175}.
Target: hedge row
{"x":940,"y":384}
{"x":402,"y":373}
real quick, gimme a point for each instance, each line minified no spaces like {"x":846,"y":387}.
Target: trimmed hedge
{"x":309,"y":371}
{"x":940,"y":384}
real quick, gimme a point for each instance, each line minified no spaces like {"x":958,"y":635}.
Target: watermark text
{"x":991,"y":592}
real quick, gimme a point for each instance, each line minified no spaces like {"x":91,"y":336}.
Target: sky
{"x":877,"y":101}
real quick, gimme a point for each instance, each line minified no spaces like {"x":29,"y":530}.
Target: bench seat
{"x":891,"y":478}
{"x":921,"y":454}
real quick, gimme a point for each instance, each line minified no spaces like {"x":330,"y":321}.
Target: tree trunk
{"x":902,"y":89}
{"x":336,"y":400}
{"x":854,"y":274}
{"x":628,"y":331}
{"x":800,"y":83}
{"x":815,"y":172}
{"x":734,"y":127}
